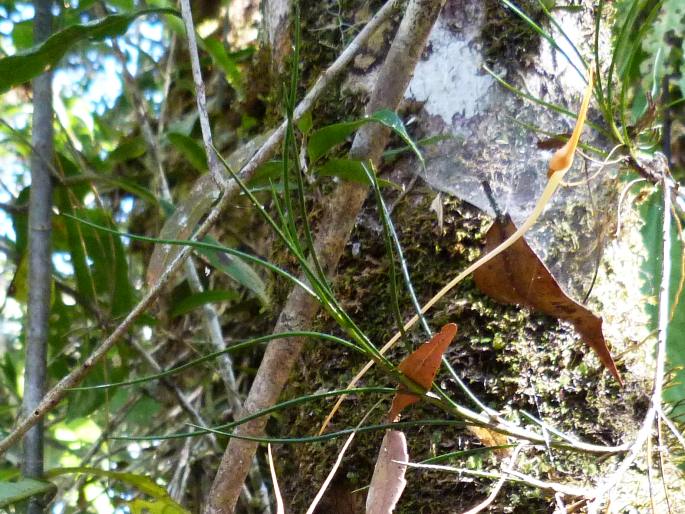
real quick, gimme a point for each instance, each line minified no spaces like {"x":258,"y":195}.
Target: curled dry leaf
{"x":518,"y":276}
{"x":388,"y":480}
{"x":421,"y":366}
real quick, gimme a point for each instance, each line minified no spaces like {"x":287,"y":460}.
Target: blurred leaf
{"x":190,"y":149}
{"x":129,"y":148}
{"x":324,"y":139}
{"x":305,"y":124}
{"x":196,"y":300}
{"x":163,"y":504}
{"x":100,"y":261}
{"x":9,"y":370}
{"x":660,"y":40}
{"x":140,"y":506}
{"x":268,"y":173}
{"x":22,"y":35}
{"x":18,"y":490}
{"x":421,"y":366}
{"x":18,"y":288}
{"x":182,"y":223}
{"x":124,"y":5}
{"x":22,"y":67}
{"x":226,"y":62}
{"x":237,"y":269}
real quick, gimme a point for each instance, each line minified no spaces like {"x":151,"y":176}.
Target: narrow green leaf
{"x":196,"y":300}
{"x":22,"y":67}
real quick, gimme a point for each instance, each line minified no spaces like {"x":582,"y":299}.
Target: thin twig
{"x":513,"y":476}
{"x":210,"y":318}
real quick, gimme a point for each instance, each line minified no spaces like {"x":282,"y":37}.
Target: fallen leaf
{"x":388,"y":480}
{"x":421,"y":366}
{"x":518,"y":276}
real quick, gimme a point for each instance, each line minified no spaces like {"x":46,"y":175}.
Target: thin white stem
{"x":507,"y":468}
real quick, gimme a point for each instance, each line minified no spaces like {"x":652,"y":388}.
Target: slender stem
{"x":40,"y":253}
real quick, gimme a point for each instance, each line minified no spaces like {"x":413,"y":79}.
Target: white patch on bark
{"x":451,"y":81}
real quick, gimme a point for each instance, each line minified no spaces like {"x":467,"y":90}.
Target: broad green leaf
{"x":268,"y":173}
{"x":237,"y":269}
{"x":162,"y":504}
{"x":190,"y":149}
{"x":323,"y":140}
{"x":14,"y":491}
{"x":349,"y":169}
{"x":305,"y":124}
{"x":652,"y":214}
{"x":196,"y":300}
{"x":22,"y":67}
{"x":659,"y":41}
{"x":22,"y":35}
{"x":226,"y":62}
{"x":129,"y":148}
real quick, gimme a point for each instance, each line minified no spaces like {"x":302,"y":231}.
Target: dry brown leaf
{"x":388,"y":480}
{"x":421,"y":366}
{"x":518,"y":276}
{"x":491,"y":438}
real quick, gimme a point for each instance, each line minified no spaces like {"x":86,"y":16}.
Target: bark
{"x":39,"y":278}
{"x":341,"y":211}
